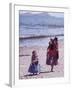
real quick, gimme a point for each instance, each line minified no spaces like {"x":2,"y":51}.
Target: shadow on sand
{"x":36,"y":74}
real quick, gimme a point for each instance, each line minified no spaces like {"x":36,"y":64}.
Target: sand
{"x":25,"y":60}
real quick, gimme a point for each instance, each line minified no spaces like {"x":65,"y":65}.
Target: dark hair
{"x":51,"y":45}
{"x":33,"y":52}
{"x":56,"y":39}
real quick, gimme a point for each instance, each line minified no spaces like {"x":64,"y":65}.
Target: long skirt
{"x":51,"y":61}
{"x":33,"y":68}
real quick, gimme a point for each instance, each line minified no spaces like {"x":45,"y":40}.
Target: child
{"x":34,"y":66}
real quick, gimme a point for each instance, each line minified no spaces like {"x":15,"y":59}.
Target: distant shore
{"x":39,"y":36}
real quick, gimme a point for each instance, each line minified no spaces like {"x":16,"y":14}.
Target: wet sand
{"x":25,"y":60}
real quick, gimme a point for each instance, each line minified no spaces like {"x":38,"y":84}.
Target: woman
{"x":51,"y":55}
{"x":34,"y":66}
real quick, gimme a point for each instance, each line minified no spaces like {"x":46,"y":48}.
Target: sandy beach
{"x":25,"y":60}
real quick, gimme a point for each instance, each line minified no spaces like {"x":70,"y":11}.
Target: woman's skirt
{"x":51,"y":61}
{"x":33,"y":68}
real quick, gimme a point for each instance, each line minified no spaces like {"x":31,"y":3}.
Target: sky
{"x":55,"y":14}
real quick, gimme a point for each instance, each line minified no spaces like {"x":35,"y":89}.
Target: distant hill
{"x":40,"y":19}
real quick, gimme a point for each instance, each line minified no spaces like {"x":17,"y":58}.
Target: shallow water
{"x":39,"y":41}
{"x":40,"y":31}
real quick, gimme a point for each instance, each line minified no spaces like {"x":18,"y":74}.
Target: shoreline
{"x":40,"y":44}
{"x":40,"y":36}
